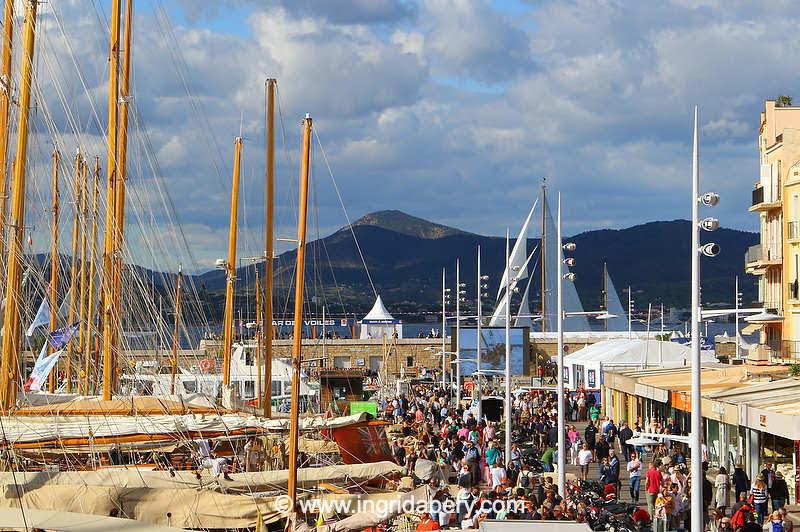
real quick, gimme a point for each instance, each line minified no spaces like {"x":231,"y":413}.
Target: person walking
{"x":759,"y":492}
{"x":625,"y":434}
{"x":779,"y":492}
{"x":585,"y":457}
{"x":635,"y":473}
{"x":722,"y":484}
{"x":740,"y":481}
{"x":652,"y":485}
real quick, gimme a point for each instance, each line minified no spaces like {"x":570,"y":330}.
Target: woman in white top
{"x":497,"y":473}
{"x":585,"y":457}
{"x":722,"y":483}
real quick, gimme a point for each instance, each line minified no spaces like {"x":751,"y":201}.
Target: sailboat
{"x":521,"y":268}
{"x":614,"y":317}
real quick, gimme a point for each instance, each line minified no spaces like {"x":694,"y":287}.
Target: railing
{"x":761,"y":253}
{"x":758,"y":195}
{"x":793,"y":230}
{"x":790,"y":349}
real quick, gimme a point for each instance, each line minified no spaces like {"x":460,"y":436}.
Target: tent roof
{"x":628,"y":352}
{"x":67,"y":521}
{"x":378,"y":311}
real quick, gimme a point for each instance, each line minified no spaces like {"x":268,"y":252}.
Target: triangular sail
{"x":620,"y":322}
{"x":570,"y":300}
{"x":524,"y":318}
{"x":498,"y":318}
{"x":519,"y":253}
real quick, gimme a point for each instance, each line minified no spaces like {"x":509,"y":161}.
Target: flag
{"x":60,"y":337}
{"x":363,"y":443}
{"x":41,"y":370}
{"x":42,"y":317}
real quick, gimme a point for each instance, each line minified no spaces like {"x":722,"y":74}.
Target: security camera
{"x":484,"y":277}
{"x":569,"y":276}
{"x":569,"y":262}
{"x":709,"y":198}
{"x":710,"y":250}
{"x":570,"y":246}
{"x":709,"y":224}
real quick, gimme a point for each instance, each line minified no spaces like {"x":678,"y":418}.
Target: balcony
{"x":765,"y":202}
{"x":793,"y":231}
{"x":758,"y":257}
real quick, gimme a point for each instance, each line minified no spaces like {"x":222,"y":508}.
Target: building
{"x":776,"y":259}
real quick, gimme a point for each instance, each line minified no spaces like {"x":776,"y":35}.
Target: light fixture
{"x":570,"y":246}
{"x":569,"y":261}
{"x":711,"y":249}
{"x":709,"y":199}
{"x":569,"y":276}
{"x":709,"y":224}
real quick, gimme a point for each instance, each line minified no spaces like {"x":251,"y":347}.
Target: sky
{"x":451,"y":110}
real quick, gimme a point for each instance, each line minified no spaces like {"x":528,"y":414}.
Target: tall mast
{"x":605,"y":295}
{"x":294,"y":419}
{"x":73,"y":284}
{"x":270,"y":253}
{"x":54,"y":260}
{"x":176,"y":332}
{"x":230,"y":267}
{"x":259,"y":333}
{"x":544,"y":260}
{"x":84,"y":217}
{"x":5,"y":105}
{"x":108,"y":247}
{"x":121,"y":178}
{"x":9,"y":375}
{"x":88,"y":345}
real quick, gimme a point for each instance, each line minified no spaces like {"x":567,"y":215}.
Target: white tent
{"x":583,"y":368}
{"x":379,"y":323}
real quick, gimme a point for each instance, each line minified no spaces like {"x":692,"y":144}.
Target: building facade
{"x":776,"y":259}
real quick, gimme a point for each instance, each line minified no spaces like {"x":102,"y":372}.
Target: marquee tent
{"x":583,"y":368}
{"x":379,"y":323}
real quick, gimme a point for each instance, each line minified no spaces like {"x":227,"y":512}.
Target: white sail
{"x":524,"y":315}
{"x":517,"y":261}
{"x":614,"y":308}
{"x":570,"y":300}
{"x":498,"y":318}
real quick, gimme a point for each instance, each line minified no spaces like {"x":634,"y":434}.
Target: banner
{"x":42,"y":317}
{"x":44,"y":365}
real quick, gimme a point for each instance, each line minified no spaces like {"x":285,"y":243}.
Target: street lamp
{"x":568,"y":276}
{"x":709,"y":250}
{"x":480,"y":294}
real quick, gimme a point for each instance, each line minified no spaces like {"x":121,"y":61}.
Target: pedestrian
{"x":740,"y":481}
{"x":722,"y":484}
{"x":652,"y":485}
{"x":625,"y":434}
{"x":779,"y":492}
{"x":635,"y":473}
{"x":585,"y":457}
{"x":759,"y":492}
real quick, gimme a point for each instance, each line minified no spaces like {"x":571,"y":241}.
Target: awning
{"x":752,"y":328}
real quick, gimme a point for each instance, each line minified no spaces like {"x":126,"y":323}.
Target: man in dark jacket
{"x":625,"y":434}
{"x":740,"y":481}
{"x":591,"y":436}
{"x":779,"y":492}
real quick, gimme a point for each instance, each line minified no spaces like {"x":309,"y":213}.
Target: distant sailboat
{"x":615,"y":318}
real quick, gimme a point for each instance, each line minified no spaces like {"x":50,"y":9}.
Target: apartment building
{"x":776,"y":259}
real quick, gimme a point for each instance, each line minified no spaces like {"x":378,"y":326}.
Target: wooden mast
{"x":5,"y":106}
{"x":543,"y":259}
{"x":259,"y":333}
{"x":294,"y":419}
{"x":230,"y":267}
{"x":88,"y":344}
{"x":108,"y":247}
{"x":121,"y":179}
{"x":9,"y":374}
{"x":270,"y":252}
{"x":55,"y":263}
{"x":82,"y":324}
{"x":73,"y":284}
{"x":176,"y":332}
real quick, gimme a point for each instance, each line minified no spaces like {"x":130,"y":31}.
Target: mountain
{"x":405,"y":256}
{"x":403,"y":223}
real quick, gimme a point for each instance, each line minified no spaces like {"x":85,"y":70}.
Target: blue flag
{"x":42,"y":317}
{"x":60,"y":337}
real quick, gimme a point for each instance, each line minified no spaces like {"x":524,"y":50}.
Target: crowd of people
{"x":435,"y":428}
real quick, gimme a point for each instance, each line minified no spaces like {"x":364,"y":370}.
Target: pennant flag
{"x":44,"y":365}
{"x":60,"y":337}
{"x":42,"y":317}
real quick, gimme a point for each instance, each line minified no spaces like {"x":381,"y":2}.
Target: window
{"x":276,"y":388}
{"x":190,"y":386}
{"x":249,"y":389}
{"x":249,"y":359}
{"x":342,"y":362}
{"x":287,"y":387}
{"x":409,"y":361}
{"x":340,"y":393}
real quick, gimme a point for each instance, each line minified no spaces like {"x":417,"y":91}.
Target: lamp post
{"x":445,"y":291}
{"x":569,"y":276}
{"x":630,"y":314}
{"x":478,"y":291}
{"x":738,"y":304}
{"x":710,"y":250}
{"x":508,"y":358}
{"x":459,"y":293}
